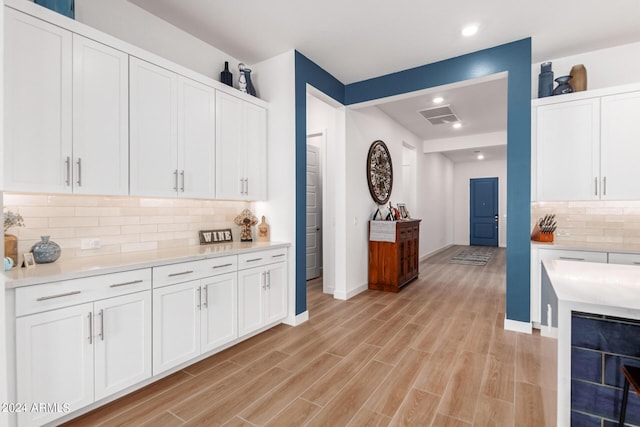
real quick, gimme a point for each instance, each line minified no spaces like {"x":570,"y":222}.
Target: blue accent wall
{"x":513,"y":58}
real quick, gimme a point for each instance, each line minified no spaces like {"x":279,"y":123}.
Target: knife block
{"x":537,"y":236}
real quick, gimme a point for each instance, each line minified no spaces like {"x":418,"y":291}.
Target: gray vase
{"x":45,"y":251}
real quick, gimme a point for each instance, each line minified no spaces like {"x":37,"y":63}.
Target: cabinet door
{"x":37,"y":121}
{"x":176,"y":325}
{"x":153,"y":130}
{"x":196,"y":139}
{"x":229,"y":147}
{"x":100,"y":118}
{"x":277,"y":292}
{"x":54,"y":357}
{"x":620,"y":146}
{"x":219,"y":313}
{"x":568,"y":160}
{"x":123,"y":342}
{"x":251,"y":304}
{"x":256,"y":154}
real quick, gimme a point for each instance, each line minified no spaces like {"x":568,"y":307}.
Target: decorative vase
{"x":563,"y":86}
{"x":579,"y":78}
{"x":247,"y":75}
{"x":545,"y":80}
{"x":242,"y":80}
{"x":225,"y":75}
{"x":45,"y":251}
{"x":11,"y":247}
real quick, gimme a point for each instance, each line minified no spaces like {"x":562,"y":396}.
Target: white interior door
{"x":314,"y":211}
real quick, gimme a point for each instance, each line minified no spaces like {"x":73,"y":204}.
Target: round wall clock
{"x":379,"y":172}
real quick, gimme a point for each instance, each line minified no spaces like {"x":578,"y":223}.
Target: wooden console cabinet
{"x":394,"y":264}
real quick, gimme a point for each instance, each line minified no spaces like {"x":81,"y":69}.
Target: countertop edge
{"x":79,"y":268}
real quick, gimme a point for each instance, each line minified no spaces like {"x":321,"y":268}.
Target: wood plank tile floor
{"x":435,"y":354}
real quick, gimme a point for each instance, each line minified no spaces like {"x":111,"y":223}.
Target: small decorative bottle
{"x":45,"y":251}
{"x":242,"y":81}
{"x":250,"y":89}
{"x":225,"y":75}
{"x":545,"y":80}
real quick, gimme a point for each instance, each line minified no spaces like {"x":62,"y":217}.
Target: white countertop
{"x":606,"y":289}
{"x":95,"y":265}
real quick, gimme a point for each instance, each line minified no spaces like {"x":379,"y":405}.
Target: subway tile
{"x":583,"y":420}
{"x":603,"y":401}
{"x":53,"y":233}
{"x":586,"y":365}
{"x":604,"y":335}
{"x":103,"y":250}
{"x":175,"y":243}
{"x":14,"y":199}
{"x":139,"y":229}
{"x":156,"y":203}
{"x":140,"y":211}
{"x":121,"y":202}
{"x":172,"y":227}
{"x":97,"y":211}
{"x":156,"y":219}
{"x":74,"y":221}
{"x":40,"y":212}
{"x":97,"y":231}
{"x":136,"y":247}
{"x":119,"y":220}
{"x":72,"y":200}
{"x":151,"y":237}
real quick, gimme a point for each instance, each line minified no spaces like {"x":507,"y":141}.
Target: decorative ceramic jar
{"x":563,"y":86}
{"x":578,"y":78}
{"x":11,"y":247}
{"x":545,"y":80}
{"x":247,"y":75}
{"x":45,"y":251}
{"x":242,"y":80}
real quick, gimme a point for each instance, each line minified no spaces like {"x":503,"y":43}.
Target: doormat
{"x":473,"y":256}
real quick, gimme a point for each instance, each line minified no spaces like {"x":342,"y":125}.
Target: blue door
{"x":483,"y":227}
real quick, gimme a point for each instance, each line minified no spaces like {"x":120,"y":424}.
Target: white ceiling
{"x":359,"y":39}
{"x":496,"y":152}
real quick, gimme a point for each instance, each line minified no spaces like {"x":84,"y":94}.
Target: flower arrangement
{"x":12,"y":219}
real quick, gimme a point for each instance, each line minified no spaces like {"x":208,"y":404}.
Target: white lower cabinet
{"x":192,"y":318}
{"x":77,"y":355}
{"x":261,"y":296}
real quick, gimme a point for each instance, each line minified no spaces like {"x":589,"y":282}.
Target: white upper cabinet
{"x":172,"y":134}
{"x":196,"y":139}
{"x":587,"y":149}
{"x":620,"y":136}
{"x":37,"y":105}
{"x":100,"y":118}
{"x":153,"y":130}
{"x":568,"y":139}
{"x":241,"y":149}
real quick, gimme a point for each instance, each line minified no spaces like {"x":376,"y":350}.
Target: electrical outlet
{"x":89,"y":244}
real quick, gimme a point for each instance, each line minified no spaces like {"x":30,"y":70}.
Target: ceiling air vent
{"x":440,"y":115}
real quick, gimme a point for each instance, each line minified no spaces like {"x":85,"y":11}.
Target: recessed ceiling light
{"x":438,"y":100}
{"x":480,"y":156}
{"x":457,"y":125}
{"x":469,"y":30}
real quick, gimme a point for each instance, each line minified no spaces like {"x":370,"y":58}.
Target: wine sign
{"x":208,"y":237}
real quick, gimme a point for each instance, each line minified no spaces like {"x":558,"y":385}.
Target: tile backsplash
{"x":596,"y":222}
{"x":122,"y":224}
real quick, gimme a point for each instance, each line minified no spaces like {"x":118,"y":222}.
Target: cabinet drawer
{"x":584,"y":256}
{"x":617,"y":258}
{"x":255,"y":259}
{"x":192,"y":270}
{"x":37,"y":298}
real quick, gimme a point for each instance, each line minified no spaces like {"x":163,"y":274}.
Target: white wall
{"x":363,"y":126}
{"x":321,"y":116}
{"x":463,"y":172}
{"x":614,"y":66}
{"x":135,"y":25}
{"x":435,"y":203}
{"x":488,"y":139}
{"x":277,"y":82}
{"x":3,"y":353}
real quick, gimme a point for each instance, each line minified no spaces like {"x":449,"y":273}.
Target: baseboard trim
{"x":517,"y":326}
{"x":432,"y":253}
{"x":341,"y":295}
{"x":296,"y":320}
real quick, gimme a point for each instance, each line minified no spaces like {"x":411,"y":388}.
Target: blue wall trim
{"x":515,"y":59}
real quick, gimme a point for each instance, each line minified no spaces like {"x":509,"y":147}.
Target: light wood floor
{"x":435,"y":354}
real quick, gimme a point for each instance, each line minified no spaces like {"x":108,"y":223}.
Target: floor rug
{"x":473,"y":256}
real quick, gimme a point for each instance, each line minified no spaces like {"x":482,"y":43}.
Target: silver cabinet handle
{"x":133,"y":282}
{"x":264,"y":280}
{"x":595,"y":181}
{"x":90,"y":328}
{"x":636,"y":263}
{"x":79,"y":162}
{"x":199,"y":297}
{"x":223,"y":265}
{"x":254,"y":259}
{"x":566,"y":258}
{"x":241,"y":185}
{"x":182,"y":176}
{"x":276,"y":256}
{"x":101,"y":314}
{"x":604,"y":186}
{"x":269,"y":279}
{"x":68,"y":165}
{"x":175,"y":175}
{"x":181,"y":273}
{"x":246,"y":191}
{"x":206,"y":296}
{"x":58,"y":295}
